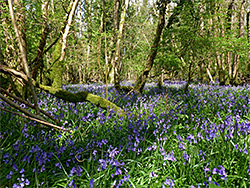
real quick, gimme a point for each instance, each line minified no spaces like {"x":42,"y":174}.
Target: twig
{"x":37,"y":120}
{"x":129,"y":93}
{"x":31,"y":115}
{"x":29,"y":104}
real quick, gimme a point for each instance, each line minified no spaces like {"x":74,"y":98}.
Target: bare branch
{"x":22,"y":47}
{"x":37,"y":120}
{"x":29,"y":104}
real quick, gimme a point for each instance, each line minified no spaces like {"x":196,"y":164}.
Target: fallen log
{"x":82,"y":96}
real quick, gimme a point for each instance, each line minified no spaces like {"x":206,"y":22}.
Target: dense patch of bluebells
{"x":168,"y":139}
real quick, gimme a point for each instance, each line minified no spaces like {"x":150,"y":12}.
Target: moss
{"x":57,"y":67}
{"x":83,"y":96}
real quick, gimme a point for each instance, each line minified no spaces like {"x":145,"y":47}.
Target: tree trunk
{"x":116,"y":62}
{"x":86,"y":72}
{"x":141,"y":80}
{"x":236,"y":65}
{"x":60,"y":50}
{"x":21,"y":38}
{"x":110,"y":57}
{"x":39,"y":57}
{"x":99,"y":49}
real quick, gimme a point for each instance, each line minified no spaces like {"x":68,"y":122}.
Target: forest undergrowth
{"x":168,"y":139}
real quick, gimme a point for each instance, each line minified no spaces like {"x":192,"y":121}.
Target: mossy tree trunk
{"x":57,"y":67}
{"x":60,"y":50}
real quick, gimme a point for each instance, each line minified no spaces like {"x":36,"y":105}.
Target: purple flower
{"x":217,"y":184}
{"x":22,"y":171}
{"x":152,"y":174}
{"x":248,"y":171}
{"x":8,"y":176}
{"x":43,"y":168}
{"x":168,"y":182}
{"x":154,"y":146}
{"x":206,"y":169}
{"x":78,"y":171}
{"x":40,"y":184}
{"x":91,"y":183}
{"x":170,"y":157}
{"x":73,"y":170}
{"x":71,"y":184}
{"x":185,"y":156}
{"x":126,"y":177}
{"x":15,"y":186}
{"x":118,"y":171}
{"x":15,"y":167}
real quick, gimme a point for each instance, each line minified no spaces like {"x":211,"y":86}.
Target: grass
{"x":173,"y":139}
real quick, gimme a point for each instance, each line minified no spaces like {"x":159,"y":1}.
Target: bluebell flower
{"x":71,"y":184}
{"x":15,"y":186}
{"x":248,"y":171}
{"x":170,"y":157}
{"x":8,"y":176}
{"x":206,"y":169}
{"x":103,"y":165}
{"x":43,"y":168}
{"x":168,"y":181}
{"x":15,"y":167}
{"x":72,"y":171}
{"x":152,"y":174}
{"x":91,"y":183}
{"x":78,"y":171}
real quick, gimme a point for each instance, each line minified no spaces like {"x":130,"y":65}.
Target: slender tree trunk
{"x":99,"y":48}
{"x":248,"y":26}
{"x":236,"y":65}
{"x":86,"y":72}
{"x":39,"y":57}
{"x":209,"y":75}
{"x":105,"y":48}
{"x":20,"y":34}
{"x":60,"y":50}
{"x":141,"y":80}
{"x":117,"y":61}
{"x":113,"y":41}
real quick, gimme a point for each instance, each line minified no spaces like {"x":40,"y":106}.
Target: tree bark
{"x":141,"y":80}
{"x":110,"y":57}
{"x":102,"y":74}
{"x":60,"y":50}
{"x":20,"y":34}
{"x":38,"y":60}
{"x":117,"y":61}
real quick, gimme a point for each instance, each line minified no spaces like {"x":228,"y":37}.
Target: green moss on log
{"x":57,"y":67}
{"x":83,"y":96}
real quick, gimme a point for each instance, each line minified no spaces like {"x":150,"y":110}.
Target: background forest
{"x":201,"y":40}
{"x":125,"y":93}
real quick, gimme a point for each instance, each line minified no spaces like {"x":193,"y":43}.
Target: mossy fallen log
{"x":83,"y":96}
{"x":124,"y":88}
